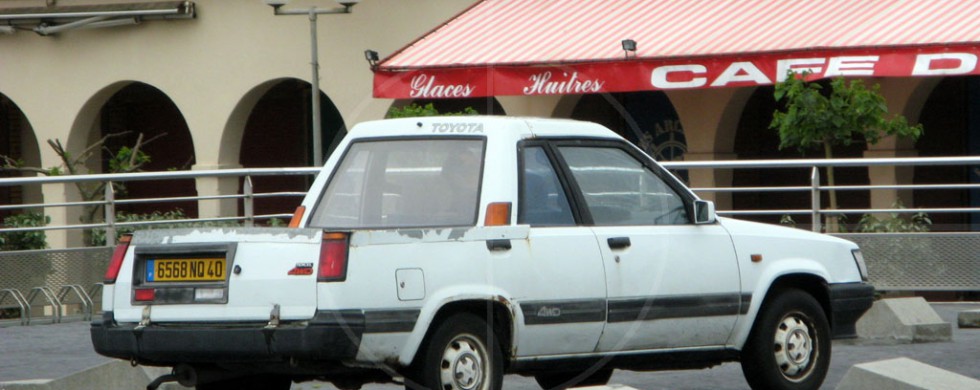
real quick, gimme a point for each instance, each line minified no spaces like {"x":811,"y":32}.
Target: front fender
{"x":763,"y":284}
{"x":447,"y":296}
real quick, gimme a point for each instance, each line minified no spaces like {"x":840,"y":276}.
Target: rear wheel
{"x":462,"y":354}
{"x":565,"y":379}
{"x":789,"y":347}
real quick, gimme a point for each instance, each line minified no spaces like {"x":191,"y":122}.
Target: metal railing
{"x":247,"y":196}
{"x":815,"y":189}
{"x":920,"y":261}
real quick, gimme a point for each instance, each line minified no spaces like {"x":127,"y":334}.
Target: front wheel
{"x":789,"y":347}
{"x":462,"y":354}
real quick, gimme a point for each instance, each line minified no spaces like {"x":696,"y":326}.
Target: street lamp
{"x":345,"y":8}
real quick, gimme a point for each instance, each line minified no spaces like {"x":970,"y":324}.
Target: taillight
{"x":297,"y":216}
{"x":333,"y":258}
{"x":115,"y":263}
{"x":145,"y":294}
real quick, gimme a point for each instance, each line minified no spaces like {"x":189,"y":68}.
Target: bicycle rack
{"x":25,"y":308}
{"x":95,"y":295}
{"x":83,"y":297}
{"x":52,"y":300}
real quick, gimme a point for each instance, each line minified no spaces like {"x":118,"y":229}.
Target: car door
{"x":670,"y":283}
{"x":558,"y":286}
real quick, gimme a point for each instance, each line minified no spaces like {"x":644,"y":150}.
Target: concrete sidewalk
{"x":58,"y":350}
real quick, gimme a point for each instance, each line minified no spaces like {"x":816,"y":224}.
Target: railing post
{"x":249,"y":202}
{"x":815,"y":198}
{"x":110,"y":214}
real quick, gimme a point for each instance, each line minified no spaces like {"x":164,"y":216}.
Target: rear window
{"x":404,"y":183}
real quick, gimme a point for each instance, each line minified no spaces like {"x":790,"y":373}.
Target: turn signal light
{"x":333,"y":258}
{"x":118,"y":255}
{"x":498,"y":214}
{"x":297,"y":216}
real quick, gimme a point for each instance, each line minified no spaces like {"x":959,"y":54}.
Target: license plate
{"x":185,"y":270}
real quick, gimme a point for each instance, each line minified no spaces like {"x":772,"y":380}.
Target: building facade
{"x":229,"y":87}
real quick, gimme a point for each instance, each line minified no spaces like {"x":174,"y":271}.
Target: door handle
{"x":618,"y":242}
{"x":498,"y":245}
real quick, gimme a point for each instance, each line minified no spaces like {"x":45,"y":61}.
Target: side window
{"x":543,"y":202}
{"x":620,"y":190}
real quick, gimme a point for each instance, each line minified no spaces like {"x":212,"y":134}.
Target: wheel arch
{"x":812,"y":281}
{"x":812,"y":284}
{"x":496,"y":310}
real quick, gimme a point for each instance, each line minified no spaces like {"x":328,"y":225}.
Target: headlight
{"x":862,"y":267}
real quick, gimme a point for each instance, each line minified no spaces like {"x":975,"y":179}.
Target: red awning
{"x":546,"y":47}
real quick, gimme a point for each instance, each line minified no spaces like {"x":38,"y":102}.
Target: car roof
{"x":494,"y":126}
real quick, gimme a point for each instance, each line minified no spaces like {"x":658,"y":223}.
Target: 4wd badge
{"x":302,"y":269}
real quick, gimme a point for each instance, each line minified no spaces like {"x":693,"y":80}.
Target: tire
{"x":564,"y":379}
{"x":260,"y":382}
{"x":462,"y":354}
{"x":789,"y":346}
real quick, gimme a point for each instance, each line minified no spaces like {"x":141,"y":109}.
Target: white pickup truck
{"x":444,"y":252}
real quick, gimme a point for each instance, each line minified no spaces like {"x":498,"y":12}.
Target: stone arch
{"x":950,"y":117}
{"x":19,"y":143}
{"x":271,"y":127}
{"x":648,"y":119}
{"x":135,"y":108}
{"x":565,"y":106}
{"x":727,"y":127}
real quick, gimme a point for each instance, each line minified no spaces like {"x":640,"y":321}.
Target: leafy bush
{"x":17,"y":241}
{"x":895,"y":222}
{"x":277,"y":222}
{"x":415,"y":110}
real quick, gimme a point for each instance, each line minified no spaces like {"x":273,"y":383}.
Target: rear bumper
{"x":848,"y":301}
{"x":329,"y":336}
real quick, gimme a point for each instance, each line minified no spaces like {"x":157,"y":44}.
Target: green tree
{"x":849,"y":112}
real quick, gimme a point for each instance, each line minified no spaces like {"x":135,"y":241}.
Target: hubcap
{"x":794,"y":348}
{"x":464,"y":364}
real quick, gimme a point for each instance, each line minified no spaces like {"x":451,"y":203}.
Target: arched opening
{"x":142,"y":113}
{"x":483,"y":106}
{"x":951,"y":120}
{"x":647,"y":119}
{"x":754,"y":140}
{"x":18,"y":144}
{"x":277,"y":134}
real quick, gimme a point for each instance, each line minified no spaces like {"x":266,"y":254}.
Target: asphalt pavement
{"x":57,"y":350}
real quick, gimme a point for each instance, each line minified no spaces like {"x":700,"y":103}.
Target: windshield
{"x":404,"y":183}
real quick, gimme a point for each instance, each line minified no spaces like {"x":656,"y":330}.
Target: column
{"x":213,"y":186}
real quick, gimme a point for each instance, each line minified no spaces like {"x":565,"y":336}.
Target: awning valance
{"x":546,"y":47}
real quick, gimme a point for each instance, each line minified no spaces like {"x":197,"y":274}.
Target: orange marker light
{"x":498,"y":214}
{"x":756,"y":258}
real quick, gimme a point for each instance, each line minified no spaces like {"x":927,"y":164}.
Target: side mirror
{"x":704,"y":212}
